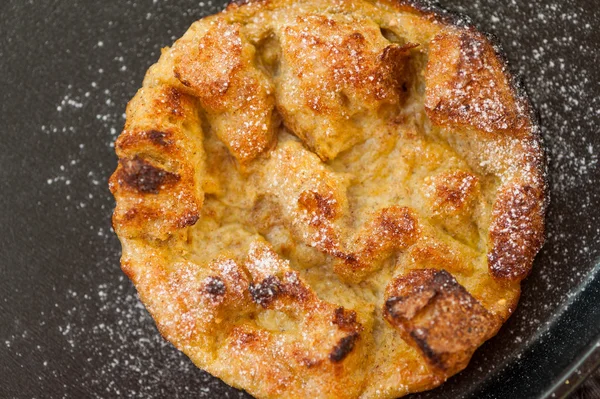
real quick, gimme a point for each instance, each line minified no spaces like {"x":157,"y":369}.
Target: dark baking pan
{"x":70,"y":323}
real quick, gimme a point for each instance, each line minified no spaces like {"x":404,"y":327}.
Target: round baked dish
{"x":329,"y":199}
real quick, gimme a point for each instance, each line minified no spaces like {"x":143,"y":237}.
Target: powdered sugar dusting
{"x":102,"y":325}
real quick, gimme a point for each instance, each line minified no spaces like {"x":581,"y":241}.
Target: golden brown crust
{"x":347,"y":70}
{"x":439,"y":317}
{"x":516,"y":232}
{"x":155,"y":183}
{"x":467,"y":86}
{"x":218,"y":69}
{"x":329,"y":200}
{"x":390,"y":229}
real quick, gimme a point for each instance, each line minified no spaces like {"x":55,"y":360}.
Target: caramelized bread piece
{"x":337,"y":72}
{"x":218,"y":68}
{"x":468,"y":86}
{"x":434,"y":313}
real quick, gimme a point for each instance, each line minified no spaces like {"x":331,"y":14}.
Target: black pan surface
{"x":71,"y":325}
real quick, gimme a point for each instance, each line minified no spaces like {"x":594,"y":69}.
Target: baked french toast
{"x":329,"y":199}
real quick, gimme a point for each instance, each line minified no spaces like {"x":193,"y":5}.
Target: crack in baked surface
{"x":329,"y":199}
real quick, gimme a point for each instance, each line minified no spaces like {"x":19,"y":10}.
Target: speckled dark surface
{"x":70,"y":323}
